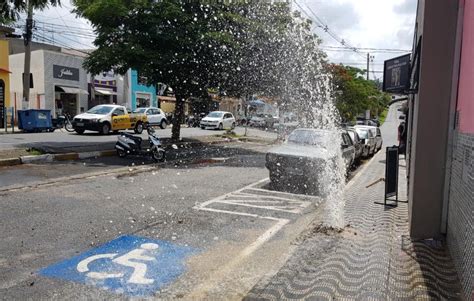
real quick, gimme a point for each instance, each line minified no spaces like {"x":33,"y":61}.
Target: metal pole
{"x":27,"y":42}
{"x":368,"y":63}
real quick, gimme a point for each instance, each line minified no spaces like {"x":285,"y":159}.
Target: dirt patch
{"x":13,"y":153}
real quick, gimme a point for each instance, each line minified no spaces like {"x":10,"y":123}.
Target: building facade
{"x":59,"y":82}
{"x":103,"y":89}
{"x":4,"y":82}
{"x":137,"y":93}
{"x":441,"y":131}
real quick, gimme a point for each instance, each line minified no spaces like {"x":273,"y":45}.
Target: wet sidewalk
{"x":372,"y":259}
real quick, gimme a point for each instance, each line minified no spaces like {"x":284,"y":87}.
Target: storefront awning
{"x":71,"y":90}
{"x":105,"y":92}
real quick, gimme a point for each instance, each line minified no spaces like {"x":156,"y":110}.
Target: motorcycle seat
{"x":134,"y":138}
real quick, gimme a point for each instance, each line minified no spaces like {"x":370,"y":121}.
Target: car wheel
{"x":202,"y":128}
{"x":163,"y":124}
{"x":221,"y":127}
{"x":138,"y":128}
{"x":79,"y":131}
{"x":105,"y":128}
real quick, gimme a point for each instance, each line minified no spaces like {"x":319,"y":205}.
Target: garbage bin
{"x":34,"y":120}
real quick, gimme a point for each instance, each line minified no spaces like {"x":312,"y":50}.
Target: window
{"x":346,"y":140}
{"x":119,"y":111}
{"x":353,"y":136}
{"x":215,"y":115}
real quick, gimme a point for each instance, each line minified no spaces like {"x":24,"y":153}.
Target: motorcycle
{"x":129,"y":144}
{"x":195,"y":120}
{"x":63,"y":121}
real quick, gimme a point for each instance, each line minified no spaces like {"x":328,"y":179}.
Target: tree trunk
{"x":178,"y":117}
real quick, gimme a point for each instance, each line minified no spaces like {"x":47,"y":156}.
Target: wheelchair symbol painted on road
{"x":133,"y":265}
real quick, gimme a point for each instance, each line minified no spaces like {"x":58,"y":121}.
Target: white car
{"x":155,"y":116}
{"x":218,"y":120}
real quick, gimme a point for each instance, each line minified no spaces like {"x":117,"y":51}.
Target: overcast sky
{"x":361,"y":23}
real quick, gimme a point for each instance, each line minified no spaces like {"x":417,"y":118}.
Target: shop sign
{"x":396,"y":74}
{"x":63,"y":72}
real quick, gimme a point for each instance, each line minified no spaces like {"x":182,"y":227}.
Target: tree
{"x":9,"y":9}
{"x":185,"y":44}
{"x":354,"y":94}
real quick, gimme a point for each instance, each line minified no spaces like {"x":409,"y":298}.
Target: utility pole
{"x":27,"y":42}
{"x":368,"y":64}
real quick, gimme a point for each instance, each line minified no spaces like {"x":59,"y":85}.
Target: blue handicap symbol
{"x":133,"y":265}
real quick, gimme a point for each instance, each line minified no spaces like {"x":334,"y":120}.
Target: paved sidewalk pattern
{"x":372,"y":259}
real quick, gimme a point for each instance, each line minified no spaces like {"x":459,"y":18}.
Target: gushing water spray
{"x":291,"y":67}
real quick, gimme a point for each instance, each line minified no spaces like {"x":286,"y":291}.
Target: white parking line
{"x":271,"y":201}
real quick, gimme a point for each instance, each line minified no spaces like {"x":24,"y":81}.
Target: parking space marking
{"x":251,"y":196}
{"x":261,"y":199}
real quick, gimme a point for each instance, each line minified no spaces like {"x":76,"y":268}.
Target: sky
{"x":380,"y":24}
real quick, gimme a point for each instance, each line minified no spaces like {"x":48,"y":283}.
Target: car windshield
{"x":139,"y":110}
{"x":307,"y":137}
{"x":101,"y":110}
{"x":363,"y":134}
{"x":215,"y":114}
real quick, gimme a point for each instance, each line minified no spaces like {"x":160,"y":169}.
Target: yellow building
{"x":4,"y":81}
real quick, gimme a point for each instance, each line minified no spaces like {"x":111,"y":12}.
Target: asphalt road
{"x":61,"y":139}
{"x":235,"y":236}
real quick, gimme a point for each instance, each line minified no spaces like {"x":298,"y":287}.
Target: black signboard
{"x":391,"y":173}
{"x":396,"y":74}
{"x":63,"y":72}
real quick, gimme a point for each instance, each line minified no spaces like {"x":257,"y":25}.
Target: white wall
{"x":17,"y":63}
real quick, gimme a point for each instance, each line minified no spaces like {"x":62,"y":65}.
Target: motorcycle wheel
{"x":157,"y":154}
{"x":68,"y":126}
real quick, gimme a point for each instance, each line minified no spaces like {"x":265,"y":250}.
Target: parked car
{"x":104,"y":118}
{"x":367,"y":137}
{"x":218,"y":120}
{"x":378,"y":136}
{"x":348,"y":150}
{"x":359,"y":147}
{"x":262,"y":120}
{"x":301,"y":158}
{"x":155,"y":116}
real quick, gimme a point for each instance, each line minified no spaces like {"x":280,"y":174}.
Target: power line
{"x":369,"y":49}
{"x":320,"y":23}
{"x":58,"y":43}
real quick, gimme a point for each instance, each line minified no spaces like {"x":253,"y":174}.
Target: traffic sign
{"x":132,"y":265}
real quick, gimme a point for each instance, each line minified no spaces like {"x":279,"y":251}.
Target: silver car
{"x":378,"y":135}
{"x":367,"y":137}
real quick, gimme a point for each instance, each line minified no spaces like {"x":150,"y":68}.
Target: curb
{"x":109,"y":153}
{"x":10,"y":162}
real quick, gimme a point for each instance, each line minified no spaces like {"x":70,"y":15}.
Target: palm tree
{"x":9,"y":9}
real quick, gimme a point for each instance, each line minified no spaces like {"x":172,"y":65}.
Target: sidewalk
{"x":372,"y":259}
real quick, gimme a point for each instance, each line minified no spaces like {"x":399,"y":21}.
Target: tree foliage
{"x":190,"y":45}
{"x":9,"y":9}
{"x":354,"y":94}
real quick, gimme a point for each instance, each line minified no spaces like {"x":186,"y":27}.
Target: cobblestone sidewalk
{"x":372,"y":259}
